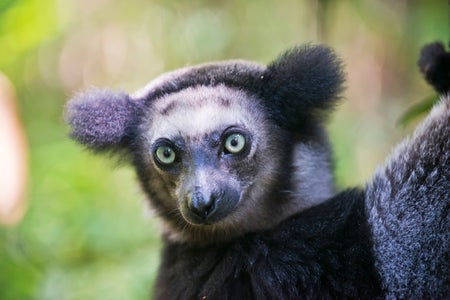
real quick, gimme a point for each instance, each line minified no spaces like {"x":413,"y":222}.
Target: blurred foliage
{"x":417,"y":110}
{"x":86,"y":235}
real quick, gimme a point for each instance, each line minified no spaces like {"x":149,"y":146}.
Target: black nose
{"x":202,"y":206}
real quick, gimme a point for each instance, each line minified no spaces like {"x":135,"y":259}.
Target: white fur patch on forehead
{"x":196,"y":111}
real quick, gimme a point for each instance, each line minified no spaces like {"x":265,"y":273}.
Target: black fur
{"x":302,"y":85}
{"x":322,"y":253}
{"x":434,"y":63}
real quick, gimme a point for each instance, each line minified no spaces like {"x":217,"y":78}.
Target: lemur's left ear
{"x":102,"y":120}
{"x":303,"y":83}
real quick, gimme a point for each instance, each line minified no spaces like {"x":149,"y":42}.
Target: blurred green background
{"x":87,"y":233}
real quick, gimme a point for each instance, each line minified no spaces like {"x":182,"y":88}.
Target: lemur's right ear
{"x":102,"y":120}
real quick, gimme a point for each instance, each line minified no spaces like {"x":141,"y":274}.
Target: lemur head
{"x":226,"y":148}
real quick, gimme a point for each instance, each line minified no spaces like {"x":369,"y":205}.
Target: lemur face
{"x":222,"y":149}
{"x":203,"y":149}
{"x":211,"y":154}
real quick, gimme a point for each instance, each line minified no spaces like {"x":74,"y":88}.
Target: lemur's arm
{"x":408,"y":201}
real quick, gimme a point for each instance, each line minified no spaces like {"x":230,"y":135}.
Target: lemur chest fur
{"x":266,"y":265}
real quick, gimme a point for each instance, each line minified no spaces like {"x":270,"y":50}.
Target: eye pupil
{"x":234,"y":142}
{"x":167,"y":152}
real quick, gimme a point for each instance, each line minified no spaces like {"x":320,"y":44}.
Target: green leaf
{"x":418,"y":109}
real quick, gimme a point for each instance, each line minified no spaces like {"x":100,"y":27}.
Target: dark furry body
{"x":409,"y":211}
{"x":322,"y":253}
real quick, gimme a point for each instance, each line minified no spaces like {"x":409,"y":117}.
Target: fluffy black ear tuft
{"x":303,"y":83}
{"x":101,"y":119}
{"x":434,"y":63}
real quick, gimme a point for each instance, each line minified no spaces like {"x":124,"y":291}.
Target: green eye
{"x":235,"y":143}
{"x":165,"y":155}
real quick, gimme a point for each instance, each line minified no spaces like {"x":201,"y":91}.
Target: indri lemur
{"x":235,"y":161}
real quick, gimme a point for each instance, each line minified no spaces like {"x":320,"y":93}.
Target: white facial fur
{"x":196,"y":112}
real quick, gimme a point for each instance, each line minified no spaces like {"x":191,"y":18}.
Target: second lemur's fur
{"x":234,"y":159}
